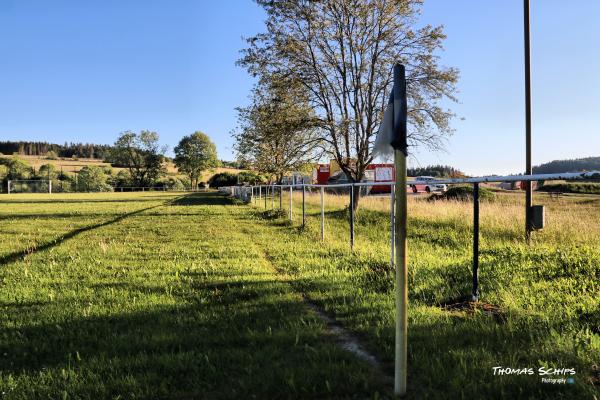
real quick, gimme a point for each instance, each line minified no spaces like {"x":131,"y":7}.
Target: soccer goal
{"x":29,"y":186}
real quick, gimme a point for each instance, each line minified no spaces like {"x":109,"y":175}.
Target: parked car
{"x":427,"y":184}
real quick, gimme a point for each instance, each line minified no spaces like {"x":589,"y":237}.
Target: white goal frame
{"x":38,"y":181}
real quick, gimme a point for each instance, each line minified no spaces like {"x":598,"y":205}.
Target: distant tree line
{"x":575,"y":165}
{"x":139,"y":154}
{"x":82,"y":150}
{"x":440,"y":171}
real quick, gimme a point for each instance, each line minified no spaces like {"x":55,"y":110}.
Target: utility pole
{"x":528,"y":170}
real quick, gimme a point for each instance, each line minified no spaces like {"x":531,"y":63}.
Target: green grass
{"x":155,"y":296}
{"x":159,"y":296}
{"x":548,"y":293}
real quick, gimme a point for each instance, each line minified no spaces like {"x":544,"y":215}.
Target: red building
{"x":374,"y":173}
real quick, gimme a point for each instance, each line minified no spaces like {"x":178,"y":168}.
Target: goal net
{"x":29,"y":186}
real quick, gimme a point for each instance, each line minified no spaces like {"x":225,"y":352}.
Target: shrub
{"x":17,"y":169}
{"x":572,"y":187}
{"x":47,"y":171}
{"x":172,"y":183}
{"x":51,"y":155}
{"x":465,"y":192}
{"x":93,"y":179}
{"x":249,"y":177}
{"x":223,"y":179}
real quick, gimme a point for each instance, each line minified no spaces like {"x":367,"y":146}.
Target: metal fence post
{"x":291,"y":203}
{"x":303,"y":205}
{"x":352,"y":216}
{"x":272,"y":197}
{"x":475,"y":294}
{"x":322,"y":214}
{"x":281,"y":197}
{"x":259,"y":192}
{"x":266,"y":194}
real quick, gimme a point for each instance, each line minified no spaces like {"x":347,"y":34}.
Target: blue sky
{"x":87,"y":70}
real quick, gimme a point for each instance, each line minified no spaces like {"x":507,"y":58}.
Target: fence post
{"x":322,"y":214}
{"x":475,"y":293}
{"x":259,"y":192}
{"x":8,"y":187}
{"x":281,"y":197}
{"x":400,"y":253}
{"x":352,"y":216}
{"x":303,"y":205}
{"x":266,"y":195}
{"x":272,"y":197}
{"x":291,"y":203}
{"x":392,"y":218}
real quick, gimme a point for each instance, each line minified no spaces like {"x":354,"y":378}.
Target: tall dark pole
{"x":475,"y":292}
{"x":400,"y":250}
{"x":528,"y":192}
{"x":352,"y":216}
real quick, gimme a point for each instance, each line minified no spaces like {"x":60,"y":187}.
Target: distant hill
{"x":83,"y":150}
{"x":576,"y":165}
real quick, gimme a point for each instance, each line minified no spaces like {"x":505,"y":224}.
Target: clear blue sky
{"x":87,"y":70}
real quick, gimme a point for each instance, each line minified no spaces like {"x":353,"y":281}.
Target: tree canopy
{"x":195,"y":154}
{"x":141,"y":154}
{"x":277,"y":132}
{"x":342,"y":52}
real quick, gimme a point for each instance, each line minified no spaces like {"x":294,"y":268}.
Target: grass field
{"x":197,"y":296}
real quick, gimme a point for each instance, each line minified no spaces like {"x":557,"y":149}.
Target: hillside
{"x":575,"y":165}
{"x":28,"y":148}
{"x":70,"y":165}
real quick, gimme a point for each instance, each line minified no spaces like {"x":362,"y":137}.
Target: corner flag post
{"x":400,"y":153}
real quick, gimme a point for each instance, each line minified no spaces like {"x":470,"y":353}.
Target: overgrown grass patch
{"x":546,"y":294}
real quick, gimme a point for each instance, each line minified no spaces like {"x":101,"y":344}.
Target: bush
{"x":223,"y":179}
{"x":17,"y":169}
{"x":51,"y":155}
{"x":229,"y":179}
{"x":172,"y":183}
{"x":47,"y":171}
{"x":249,"y":177}
{"x":572,"y":187}
{"x":122,"y":179}
{"x":465,"y":192}
{"x":93,"y":179}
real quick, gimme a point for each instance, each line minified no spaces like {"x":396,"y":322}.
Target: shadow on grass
{"x":202,"y":199}
{"x":215,"y":343}
{"x":17,"y":255}
{"x":85,"y":201}
{"x":451,"y":354}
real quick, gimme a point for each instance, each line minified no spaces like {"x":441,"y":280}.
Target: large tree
{"x":278,"y":132}
{"x":141,"y":154}
{"x":195,"y":154}
{"x":343,"y":51}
